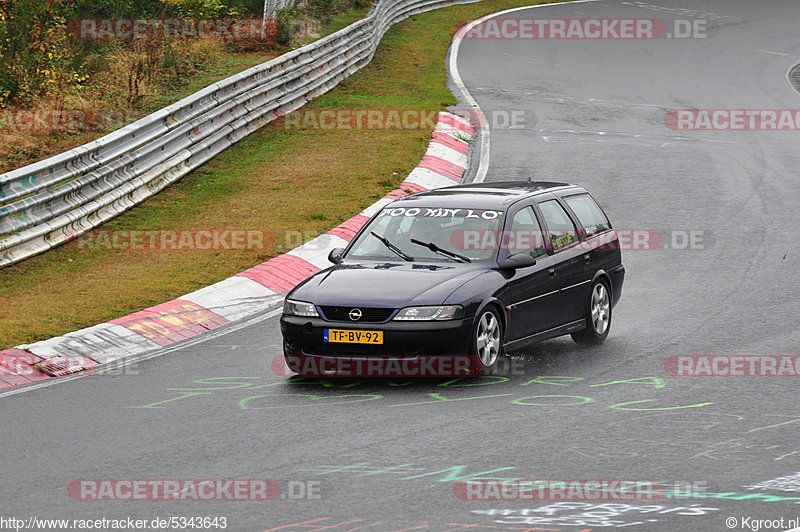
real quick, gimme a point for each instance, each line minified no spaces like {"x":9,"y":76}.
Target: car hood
{"x":394,"y":285}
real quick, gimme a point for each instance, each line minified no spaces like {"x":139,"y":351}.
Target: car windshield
{"x":430,"y":234}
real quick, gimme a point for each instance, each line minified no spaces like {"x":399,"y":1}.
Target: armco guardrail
{"x":52,"y":201}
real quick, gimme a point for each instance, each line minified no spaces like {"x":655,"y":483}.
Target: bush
{"x":288,"y":23}
{"x":196,"y":8}
{"x":36,"y":55}
{"x":118,"y":8}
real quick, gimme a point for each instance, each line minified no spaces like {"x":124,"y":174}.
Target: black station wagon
{"x":444,"y":282}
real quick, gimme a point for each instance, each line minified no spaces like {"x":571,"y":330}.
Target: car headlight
{"x":448,"y":312}
{"x":300,"y":308}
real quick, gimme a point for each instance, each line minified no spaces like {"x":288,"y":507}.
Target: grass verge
{"x":288,"y":184}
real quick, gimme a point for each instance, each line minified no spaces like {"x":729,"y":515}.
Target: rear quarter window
{"x":589,"y":214}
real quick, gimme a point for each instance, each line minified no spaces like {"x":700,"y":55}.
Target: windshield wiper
{"x":436,"y":249}
{"x":400,"y":253}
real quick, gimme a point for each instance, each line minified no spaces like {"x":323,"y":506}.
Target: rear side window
{"x":560,"y":229}
{"x":589,"y":214}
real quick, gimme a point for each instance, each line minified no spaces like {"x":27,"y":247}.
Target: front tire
{"x":487,"y":342}
{"x":598,"y":316}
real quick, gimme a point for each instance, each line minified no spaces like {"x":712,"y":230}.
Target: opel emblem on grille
{"x":355,"y":314}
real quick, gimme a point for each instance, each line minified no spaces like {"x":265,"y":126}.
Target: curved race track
{"x":385,"y":453}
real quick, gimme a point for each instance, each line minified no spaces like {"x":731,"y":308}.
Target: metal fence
{"x":47,"y":203}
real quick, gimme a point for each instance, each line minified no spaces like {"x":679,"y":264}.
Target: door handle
{"x":552,"y":272}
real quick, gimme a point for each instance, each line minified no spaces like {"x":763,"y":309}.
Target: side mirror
{"x":335,"y":256}
{"x":517,"y":260}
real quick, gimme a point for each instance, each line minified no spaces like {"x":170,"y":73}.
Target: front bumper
{"x":617,"y":276}
{"x":435,"y":348}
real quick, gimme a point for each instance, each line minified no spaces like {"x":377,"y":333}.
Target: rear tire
{"x":598,"y":316}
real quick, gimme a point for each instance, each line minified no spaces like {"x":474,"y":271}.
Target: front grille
{"x":368,"y":314}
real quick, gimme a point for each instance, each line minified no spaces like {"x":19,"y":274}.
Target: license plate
{"x":344,"y":336}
